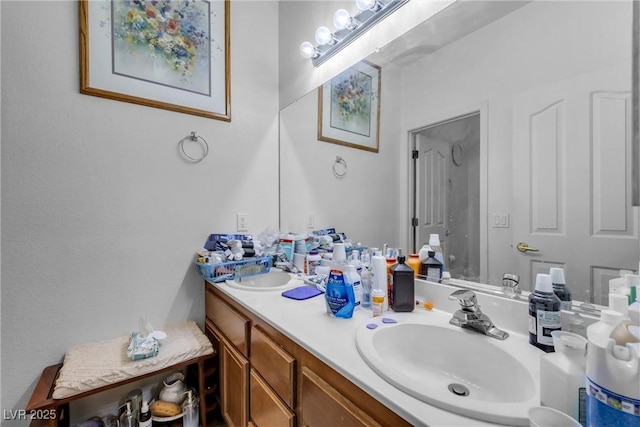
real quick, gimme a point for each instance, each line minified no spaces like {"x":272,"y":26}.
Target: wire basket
{"x":234,"y":269}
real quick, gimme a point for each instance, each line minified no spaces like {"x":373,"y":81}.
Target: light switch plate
{"x":500,"y":220}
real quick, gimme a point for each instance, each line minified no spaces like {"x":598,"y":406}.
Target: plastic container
{"x":379,"y":273}
{"x":234,"y":269}
{"x":544,"y":314}
{"x":599,"y":332}
{"x":414,"y":262}
{"x":402,"y":286}
{"x":619,"y":303}
{"x":634,"y":311}
{"x":560,"y":288}
{"x":312,"y":261}
{"x":632,"y":282}
{"x":423,"y":253}
{"x":390,"y":262}
{"x":339,"y":253}
{"x":562,"y":375}
{"x":354,"y":280}
{"x":367,"y":279}
{"x":378,"y":297}
{"x":613,"y":376}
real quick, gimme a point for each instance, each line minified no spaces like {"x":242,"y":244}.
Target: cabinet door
{"x":234,"y":379}
{"x":267,"y":410}
{"x":322,"y":405}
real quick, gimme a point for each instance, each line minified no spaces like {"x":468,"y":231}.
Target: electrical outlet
{"x":243,"y":222}
{"x":311,"y":221}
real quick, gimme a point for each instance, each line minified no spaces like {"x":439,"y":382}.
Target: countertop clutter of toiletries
{"x":591,"y":377}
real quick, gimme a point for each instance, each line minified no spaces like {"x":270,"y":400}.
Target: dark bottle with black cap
{"x":432,"y":268}
{"x":402,"y":286}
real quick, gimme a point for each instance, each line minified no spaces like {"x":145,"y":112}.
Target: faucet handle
{"x":465,"y":297}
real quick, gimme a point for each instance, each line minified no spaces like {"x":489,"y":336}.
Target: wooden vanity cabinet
{"x":268,"y":380}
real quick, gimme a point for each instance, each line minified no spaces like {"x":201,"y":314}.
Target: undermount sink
{"x":272,"y":281}
{"x":455,"y":369}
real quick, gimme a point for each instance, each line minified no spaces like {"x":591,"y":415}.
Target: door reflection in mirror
{"x":447,"y":191}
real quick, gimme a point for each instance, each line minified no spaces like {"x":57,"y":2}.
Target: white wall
{"x":545,"y":43}
{"x":100,"y":214}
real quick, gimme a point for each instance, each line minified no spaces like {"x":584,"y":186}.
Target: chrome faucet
{"x":469,"y":316}
{"x":510,"y":285}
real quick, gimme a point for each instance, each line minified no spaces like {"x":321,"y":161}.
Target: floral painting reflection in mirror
{"x":349,"y":108}
{"x":166,"y":54}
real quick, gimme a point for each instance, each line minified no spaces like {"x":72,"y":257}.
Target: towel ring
{"x":194,"y":137}
{"x":339,"y":167}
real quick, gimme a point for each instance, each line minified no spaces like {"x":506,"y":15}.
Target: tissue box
{"x":141,"y":347}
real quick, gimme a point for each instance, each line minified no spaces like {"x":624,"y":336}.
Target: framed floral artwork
{"x":349,"y":108}
{"x":163,"y":53}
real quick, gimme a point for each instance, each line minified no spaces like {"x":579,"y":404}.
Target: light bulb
{"x":307,"y":50}
{"x":341,"y":19}
{"x":366,"y":4}
{"x":323,"y":35}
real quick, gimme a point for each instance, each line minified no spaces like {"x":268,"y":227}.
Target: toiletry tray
{"x":234,"y":269}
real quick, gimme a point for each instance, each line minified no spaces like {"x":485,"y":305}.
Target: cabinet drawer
{"x":266,"y":409}
{"x":275,"y":365}
{"x":322,"y":405}
{"x":232,"y":324}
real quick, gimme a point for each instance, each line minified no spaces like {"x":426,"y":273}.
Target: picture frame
{"x":166,"y":54}
{"x":349,"y":108}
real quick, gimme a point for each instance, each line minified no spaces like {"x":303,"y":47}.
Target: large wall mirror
{"x":520,"y":114}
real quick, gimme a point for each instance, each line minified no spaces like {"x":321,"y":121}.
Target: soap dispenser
{"x":190,"y":410}
{"x":127,"y":419}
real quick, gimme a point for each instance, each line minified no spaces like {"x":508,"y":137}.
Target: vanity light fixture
{"x":348,"y":28}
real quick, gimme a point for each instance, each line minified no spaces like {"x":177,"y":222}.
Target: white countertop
{"x":332,"y":340}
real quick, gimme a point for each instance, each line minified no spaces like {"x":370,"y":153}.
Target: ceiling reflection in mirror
{"x":549,"y":150}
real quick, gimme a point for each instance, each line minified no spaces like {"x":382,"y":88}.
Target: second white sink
{"x":452,"y":368}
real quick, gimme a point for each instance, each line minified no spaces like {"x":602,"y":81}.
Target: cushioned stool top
{"x":95,"y":365}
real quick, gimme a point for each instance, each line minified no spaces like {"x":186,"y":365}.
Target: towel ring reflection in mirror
{"x":457,"y":154}
{"x":194,"y":137}
{"x":339,"y":167}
